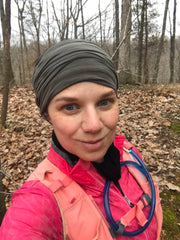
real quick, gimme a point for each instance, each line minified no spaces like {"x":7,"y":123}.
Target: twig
{"x":9,"y":176}
{"x":10,"y":193}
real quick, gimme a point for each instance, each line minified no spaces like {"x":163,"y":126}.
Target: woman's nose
{"x":92,"y":121}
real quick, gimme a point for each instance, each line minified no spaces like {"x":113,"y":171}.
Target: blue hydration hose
{"x":117,"y":227}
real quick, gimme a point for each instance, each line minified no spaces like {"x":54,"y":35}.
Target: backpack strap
{"x":137,"y":212}
{"x":142,"y":181}
{"x":74,"y":204}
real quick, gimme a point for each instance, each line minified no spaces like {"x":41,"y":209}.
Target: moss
{"x":170,"y":223}
{"x":175,"y":127}
{"x":171,"y":215}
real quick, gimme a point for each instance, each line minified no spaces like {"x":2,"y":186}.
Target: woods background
{"x":145,"y":48}
{"x":142,"y":47}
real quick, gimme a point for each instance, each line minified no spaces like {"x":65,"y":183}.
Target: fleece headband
{"x":67,"y":63}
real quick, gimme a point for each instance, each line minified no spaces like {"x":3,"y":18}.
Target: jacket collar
{"x":71,"y":165}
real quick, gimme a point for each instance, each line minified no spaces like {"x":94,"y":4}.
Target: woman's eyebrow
{"x":108,"y":94}
{"x":66,"y":99}
{"x":71,"y":99}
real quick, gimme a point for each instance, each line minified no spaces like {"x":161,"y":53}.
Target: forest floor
{"x":149,"y":118}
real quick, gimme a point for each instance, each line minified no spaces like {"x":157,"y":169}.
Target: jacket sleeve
{"x":34,"y":214}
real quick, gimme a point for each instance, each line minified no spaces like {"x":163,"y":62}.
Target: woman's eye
{"x":70,"y":107}
{"x":104,"y":103}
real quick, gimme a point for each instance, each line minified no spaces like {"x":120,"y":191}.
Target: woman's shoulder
{"x":33,"y":212}
{"x":34,"y":191}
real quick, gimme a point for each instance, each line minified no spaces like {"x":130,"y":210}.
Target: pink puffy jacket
{"x":34,"y":213}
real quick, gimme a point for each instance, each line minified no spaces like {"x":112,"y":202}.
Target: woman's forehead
{"x":84,"y":89}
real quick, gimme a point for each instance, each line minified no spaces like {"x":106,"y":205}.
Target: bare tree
{"x":35,"y":12}
{"x":23,"y":45}
{"x":100,"y":23}
{"x":140,"y":41}
{"x":2,"y":197}
{"x":7,"y":69}
{"x":70,"y":20}
{"x":67,"y":19}
{"x":172,"y":45}
{"x":48,"y":24}
{"x":125,"y":49}
{"x":5,"y":12}
{"x":116,"y":35}
{"x":62,"y":19}
{"x":82,"y":19}
{"x":75,"y":12}
{"x":146,"y":70}
{"x":1,"y":62}
{"x":161,"y":44}
{"x":59,"y":21}
{"x":94,"y":26}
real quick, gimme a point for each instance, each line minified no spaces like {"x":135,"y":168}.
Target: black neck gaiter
{"x":109,"y":169}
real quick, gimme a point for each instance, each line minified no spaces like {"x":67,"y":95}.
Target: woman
{"x":76,"y":90}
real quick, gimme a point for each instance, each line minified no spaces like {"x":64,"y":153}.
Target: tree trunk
{"x":140,"y":43}
{"x":57,"y":21}
{"x":26,"y":49}
{"x":67,"y":21}
{"x":6,"y":29}
{"x":21,"y":60}
{"x":125,"y":48}
{"x":172,"y":45}
{"x":161,"y":44}
{"x":82,"y":19}
{"x":146,"y":70}
{"x":100,"y":23}
{"x":2,"y":198}
{"x":116,"y":36}
{"x":75,"y":16}
{"x":36,"y":13}
{"x":48,"y":25}
{"x":25,"y":71}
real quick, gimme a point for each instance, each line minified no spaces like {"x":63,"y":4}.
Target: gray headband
{"x":67,"y":63}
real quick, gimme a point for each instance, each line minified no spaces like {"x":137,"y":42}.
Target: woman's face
{"x":84,"y":118}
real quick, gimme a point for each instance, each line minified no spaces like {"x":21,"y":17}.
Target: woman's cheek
{"x":112,"y":118}
{"x":66,"y":125}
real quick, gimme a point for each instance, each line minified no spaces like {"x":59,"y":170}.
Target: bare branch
{"x":9,"y":176}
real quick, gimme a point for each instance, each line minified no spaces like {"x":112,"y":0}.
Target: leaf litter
{"x":145,"y":118}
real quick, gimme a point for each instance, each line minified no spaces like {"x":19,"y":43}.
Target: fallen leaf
{"x":173,"y":187}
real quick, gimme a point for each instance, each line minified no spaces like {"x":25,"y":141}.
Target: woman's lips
{"x":93,"y":145}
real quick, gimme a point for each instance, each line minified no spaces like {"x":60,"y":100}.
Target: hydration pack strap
{"x":137,"y":212}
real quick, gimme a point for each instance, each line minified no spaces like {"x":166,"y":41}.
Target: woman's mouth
{"x":93,"y":145}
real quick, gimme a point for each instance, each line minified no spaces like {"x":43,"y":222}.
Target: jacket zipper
{"x":125,"y":197}
{"x":119,"y":188}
